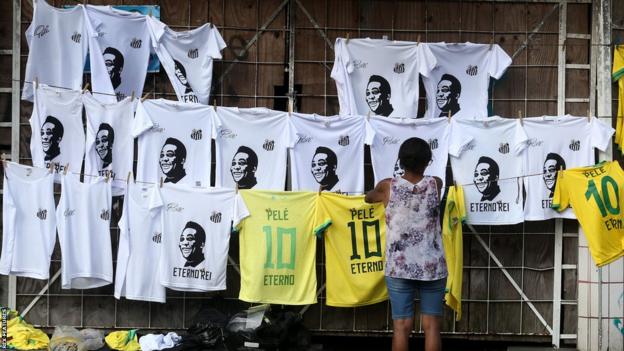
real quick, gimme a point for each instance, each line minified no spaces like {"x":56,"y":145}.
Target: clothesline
{"x":131,"y":178}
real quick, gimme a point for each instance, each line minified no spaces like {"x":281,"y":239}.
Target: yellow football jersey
{"x":355,"y":242}
{"x":278,"y":248}
{"x":454,"y":216}
{"x":596,"y":197}
{"x":617,"y":74}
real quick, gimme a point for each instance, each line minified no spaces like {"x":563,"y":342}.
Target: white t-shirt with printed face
{"x":459,"y":84}
{"x":251,"y":148}
{"x":328,"y":152}
{"x":174,"y":142}
{"x":83,"y":222}
{"x":557,"y":142}
{"x":58,"y":136}
{"x":28,"y":221}
{"x":57,"y":47}
{"x":187,"y":57}
{"x":488,"y":167}
{"x":390,"y":135}
{"x":380,"y":77}
{"x":196,"y":236}
{"x":119,"y":49}
{"x":109,"y":145}
{"x":137,"y":276}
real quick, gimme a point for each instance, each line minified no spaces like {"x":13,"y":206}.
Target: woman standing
{"x":415,"y":260}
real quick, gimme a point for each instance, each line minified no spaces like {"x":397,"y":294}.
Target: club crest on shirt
{"x":42,"y":30}
{"x":268,"y":145}
{"x":433,"y":143}
{"x":359,"y":64}
{"x":105,"y":215}
{"x":42,"y":214}
{"x":399,"y":68}
{"x":343,"y":140}
{"x":215,"y":217}
{"x":157,"y":237}
{"x":196,"y":134}
{"x":504,"y":148}
{"x":227,"y":134}
{"x":472,"y":70}
{"x":193,"y":53}
{"x":575,"y":145}
{"x":136,"y":43}
{"x":76,"y":37}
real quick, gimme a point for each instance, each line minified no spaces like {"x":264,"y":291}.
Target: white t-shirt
{"x":110,"y":145}
{"x":174,"y":141}
{"x":196,"y":236}
{"x":58,"y":135}
{"x":137,"y":276}
{"x":251,"y":148}
{"x":187,"y":58}
{"x":380,"y":77}
{"x":557,"y":142}
{"x":28,"y":221}
{"x":460,"y":81}
{"x":83,"y":222}
{"x":390,"y":135}
{"x":119,"y":49}
{"x":57,"y":43}
{"x":328,"y":151}
{"x":488,"y":168}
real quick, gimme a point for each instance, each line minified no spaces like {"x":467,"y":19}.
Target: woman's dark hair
{"x":414,"y":155}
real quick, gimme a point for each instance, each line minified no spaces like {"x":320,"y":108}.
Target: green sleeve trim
{"x":618,"y":74}
{"x":319,"y":230}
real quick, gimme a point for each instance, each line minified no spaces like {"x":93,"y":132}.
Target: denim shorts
{"x":403,"y":291}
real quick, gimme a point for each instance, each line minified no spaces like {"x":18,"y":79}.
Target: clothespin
{"x":491,"y":43}
{"x":237,"y":188}
{"x":454,"y":183}
{"x":290,"y":107}
{"x":150,"y":13}
{"x":563,"y":45}
{"x":50,"y":167}
{"x":3,"y":160}
{"x":485,"y":123}
{"x":86,"y":87}
{"x":321,"y":186}
{"x":107,"y":176}
{"x":36,"y":83}
{"x":347,"y":39}
{"x":561,"y":170}
{"x":132,"y":96}
{"x":128,"y":178}
{"x":449,"y":116}
{"x":162,"y":180}
{"x":418,"y":40}
{"x":520,"y":116}
{"x":66,"y":168}
{"x":368,"y":116}
{"x":144,"y":97}
{"x":588,"y":115}
{"x":214,"y":104}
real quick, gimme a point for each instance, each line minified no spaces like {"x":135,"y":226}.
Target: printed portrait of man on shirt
{"x":51,"y":135}
{"x":180,"y":73}
{"x":114,"y":61}
{"x":323,"y":167}
{"x":104,"y":139}
{"x":378,"y":96}
{"x":486,"y":176}
{"x":243,"y":168}
{"x":398,"y":170}
{"x":192,"y":241}
{"x":552,"y":164}
{"x":447,"y":95}
{"x":172,"y":159}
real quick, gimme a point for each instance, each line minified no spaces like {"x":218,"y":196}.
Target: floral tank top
{"x":413,"y":235}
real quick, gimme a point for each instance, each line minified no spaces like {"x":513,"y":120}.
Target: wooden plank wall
{"x":492,"y":308}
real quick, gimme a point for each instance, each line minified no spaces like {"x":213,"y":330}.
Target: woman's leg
{"x":431,"y":305}
{"x":401,"y":292}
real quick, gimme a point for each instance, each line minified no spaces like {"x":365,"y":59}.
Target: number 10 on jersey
{"x":286,"y":242}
